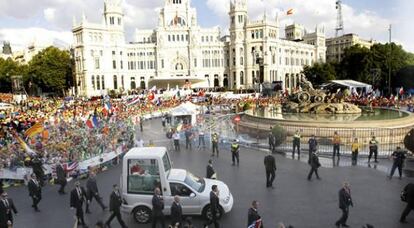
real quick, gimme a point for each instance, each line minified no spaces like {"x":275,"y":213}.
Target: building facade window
{"x":241,"y":78}
{"x":115,"y":82}
{"x":98,"y":84}
{"x":122,"y":81}
{"x":133,"y":83}
{"x":93,"y":82}
{"x":103,"y":82}
{"x":113,"y":64}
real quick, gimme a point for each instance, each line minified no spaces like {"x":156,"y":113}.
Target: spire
{"x":277,"y":18}
{"x":83,"y":17}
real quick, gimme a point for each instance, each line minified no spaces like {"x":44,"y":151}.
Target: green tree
{"x":320,"y":73}
{"x":8,"y":68}
{"x":355,"y":64}
{"x":51,"y":70}
{"x":404,"y":78}
{"x":389,"y":57}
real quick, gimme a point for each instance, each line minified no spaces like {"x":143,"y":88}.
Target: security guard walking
{"x":235,"y":148}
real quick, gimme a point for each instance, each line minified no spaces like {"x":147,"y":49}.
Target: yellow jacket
{"x":355,"y":147}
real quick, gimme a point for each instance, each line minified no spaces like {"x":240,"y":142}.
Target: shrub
{"x":279,"y":133}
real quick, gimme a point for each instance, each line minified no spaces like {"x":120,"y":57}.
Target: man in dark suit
{"x":35,"y":191}
{"x":157,"y":207}
{"x":93,"y":192}
{"x":409,"y":190}
{"x":61,"y":177}
{"x":6,"y":208}
{"x":313,"y":147}
{"x":37,"y":166}
{"x":214,"y":206}
{"x":345,"y":201}
{"x":314,"y":164}
{"x":270,"y":166}
{"x":115,"y":202}
{"x":253,"y":216}
{"x":210,"y":169}
{"x":176,"y":213}
{"x":271,"y":138}
{"x":77,"y":198}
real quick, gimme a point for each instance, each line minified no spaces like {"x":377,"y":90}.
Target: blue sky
{"x":48,"y":21}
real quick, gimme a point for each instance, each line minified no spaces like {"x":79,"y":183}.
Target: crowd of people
{"x":74,"y":130}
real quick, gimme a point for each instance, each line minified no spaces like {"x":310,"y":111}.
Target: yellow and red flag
{"x":34,"y":130}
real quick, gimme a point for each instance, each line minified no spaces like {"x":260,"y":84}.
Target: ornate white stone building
{"x":180,"y":51}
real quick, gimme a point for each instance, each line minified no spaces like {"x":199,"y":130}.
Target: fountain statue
{"x":310,"y":100}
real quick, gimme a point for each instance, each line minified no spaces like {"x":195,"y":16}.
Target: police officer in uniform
{"x":296,"y":144}
{"x":214,"y":141}
{"x":235,"y":148}
{"x":399,"y":157}
{"x":373,"y":149}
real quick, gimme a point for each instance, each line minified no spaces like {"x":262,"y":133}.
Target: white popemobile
{"x":144,"y":169}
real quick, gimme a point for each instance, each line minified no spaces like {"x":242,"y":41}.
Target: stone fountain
{"x":310,"y":100}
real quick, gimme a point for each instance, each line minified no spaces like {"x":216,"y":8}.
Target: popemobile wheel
{"x":142,"y":214}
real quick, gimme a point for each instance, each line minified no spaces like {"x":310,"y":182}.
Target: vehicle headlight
{"x":227,"y":199}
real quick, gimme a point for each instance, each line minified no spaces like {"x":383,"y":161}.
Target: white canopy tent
{"x":349,"y":84}
{"x":186,"y":111}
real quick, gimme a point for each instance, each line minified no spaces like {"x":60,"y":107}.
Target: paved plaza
{"x":295,"y":200}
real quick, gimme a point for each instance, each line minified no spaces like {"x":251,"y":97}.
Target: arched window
{"x":179,"y":66}
{"x":241,"y":78}
{"x":287,"y":81}
{"x":115,"y":82}
{"x":93,"y":82}
{"x":133,"y":84}
{"x":178,"y":21}
{"x":142,"y":83}
{"x":98,"y":84}
{"x":103,"y":82}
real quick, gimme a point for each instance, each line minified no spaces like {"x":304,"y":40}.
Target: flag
{"x":34,"y":130}
{"x":70,"y":166}
{"x":256,"y":224}
{"x":401,"y":92}
{"x":154,"y":88}
{"x":151,"y":96}
{"x":289,"y":12}
{"x":201,"y":93}
{"x":133,"y":101}
{"x":23,"y":144}
{"x":107,"y":109}
{"x":92,"y":123}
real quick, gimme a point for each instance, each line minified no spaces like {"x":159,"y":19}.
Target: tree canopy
{"x":50,"y":69}
{"x":8,"y":68}
{"x":320,"y":73}
{"x":366,"y":65}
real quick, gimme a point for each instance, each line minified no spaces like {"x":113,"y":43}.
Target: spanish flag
{"x":23,"y":144}
{"x":34,"y":130}
{"x":289,"y":12}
